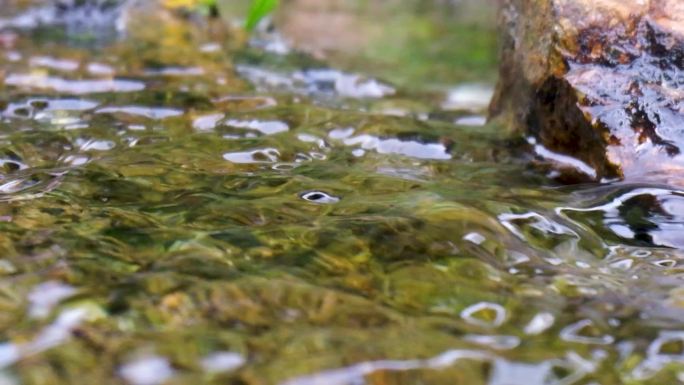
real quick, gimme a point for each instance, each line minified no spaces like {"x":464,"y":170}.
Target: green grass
{"x":258,"y":10}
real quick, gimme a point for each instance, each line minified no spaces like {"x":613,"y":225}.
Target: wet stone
{"x":599,"y":82}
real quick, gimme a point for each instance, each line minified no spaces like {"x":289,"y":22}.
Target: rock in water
{"x":601,"y":81}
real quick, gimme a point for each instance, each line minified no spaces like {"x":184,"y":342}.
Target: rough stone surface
{"x":599,"y":80}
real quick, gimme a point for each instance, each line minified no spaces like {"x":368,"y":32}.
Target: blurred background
{"x":428,"y":42}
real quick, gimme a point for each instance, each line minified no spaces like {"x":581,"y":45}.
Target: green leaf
{"x":259,"y":10}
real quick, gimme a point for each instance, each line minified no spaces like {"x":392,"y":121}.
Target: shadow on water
{"x":177,"y":208}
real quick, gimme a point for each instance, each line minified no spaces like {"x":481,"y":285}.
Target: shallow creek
{"x":177,"y":208}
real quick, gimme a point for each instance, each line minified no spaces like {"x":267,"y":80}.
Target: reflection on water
{"x":74,"y":87}
{"x":265,"y":155}
{"x":357,"y":373}
{"x":649,"y":216}
{"x":395,"y":146}
{"x":318,"y":82}
{"x":221,"y":362}
{"x":266,"y":128}
{"x":151,"y":370}
{"x":147,"y":112}
{"x":177,"y":209}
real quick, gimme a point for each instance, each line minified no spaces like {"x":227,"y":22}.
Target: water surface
{"x":176,"y":208}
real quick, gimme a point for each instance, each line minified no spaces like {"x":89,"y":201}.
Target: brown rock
{"x":599,"y":80}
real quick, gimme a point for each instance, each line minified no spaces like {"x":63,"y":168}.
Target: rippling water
{"x":177,"y":210}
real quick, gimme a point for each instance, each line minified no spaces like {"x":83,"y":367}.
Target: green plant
{"x":258,"y":10}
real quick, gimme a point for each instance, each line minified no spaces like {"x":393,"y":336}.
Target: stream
{"x":180,"y":204}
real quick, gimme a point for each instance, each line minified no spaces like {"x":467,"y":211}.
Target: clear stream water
{"x":176,"y":208}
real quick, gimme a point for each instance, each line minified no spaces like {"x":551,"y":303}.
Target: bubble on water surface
{"x":485,"y":314}
{"x":319,"y":197}
{"x":11,"y":165}
{"x":284,"y":166}
{"x":641,"y":253}
{"x":666,"y":263}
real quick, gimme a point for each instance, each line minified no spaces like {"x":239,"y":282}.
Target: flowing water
{"x":176,"y":208}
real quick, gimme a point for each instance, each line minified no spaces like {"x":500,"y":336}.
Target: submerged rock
{"x":601,"y":81}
